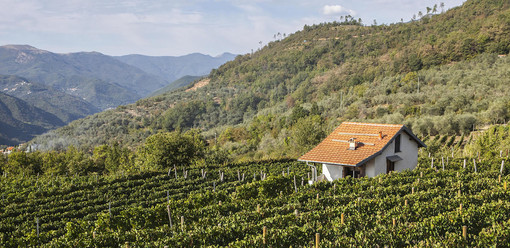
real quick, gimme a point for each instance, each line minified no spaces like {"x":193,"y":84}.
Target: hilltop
{"x":438,"y":75}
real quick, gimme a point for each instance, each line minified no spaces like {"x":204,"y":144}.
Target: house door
{"x":355,"y":172}
{"x":390,"y":166}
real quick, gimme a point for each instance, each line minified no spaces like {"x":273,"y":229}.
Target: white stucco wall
{"x":332,"y":172}
{"x":408,"y":153}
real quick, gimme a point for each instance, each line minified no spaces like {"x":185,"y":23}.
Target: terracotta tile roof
{"x":334,"y":149}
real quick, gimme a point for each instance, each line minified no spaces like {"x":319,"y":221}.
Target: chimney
{"x":352,"y":144}
{"x":380,"y":135}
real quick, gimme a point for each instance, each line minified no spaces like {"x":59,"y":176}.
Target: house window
{"x":397,"y":143}
{"x":390,"y":166}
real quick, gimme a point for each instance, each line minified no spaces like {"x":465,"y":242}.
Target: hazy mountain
{"x":181,"y":82}
{"x":101,"y":80}
{"x":20,"y":121}
{"x":440,"y":75}
{"x":66,"y":107}
{"x":171,"y":68}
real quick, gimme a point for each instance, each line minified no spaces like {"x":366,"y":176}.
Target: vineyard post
{"x":214,"y":186}
{"x":295,"y":185}
{"x":504,"y":185}
{"x":502,"y":166}
{"x":296,"y":212}
{"x":464,"y":163}
{"x":169,"y":216}
{"x":288,"y":170}
{"x":258,"y":208}
{"x":394,"y":222}
{"x":243,"y":178}
{"x":37,"y":223}
{"x":182,"y":223}
{"x":459,"y":193}
{"x":474,"y":164}
{"x":405,"y":203}
{"x":421,"y":173}
{"x":432,"y":163}
{"x":127,"y":244}
{"x":94,"y":235}
{"x":317,"y":237}
{"x":460,"y":207}
{"x":167,"y":196}
{"x":219,"y":203}
{"x":342,"y":219}
{"x":264,"y":232}
{"x":412,"y":190}
{"x":500,"y":153}
{"x":464,"y":232}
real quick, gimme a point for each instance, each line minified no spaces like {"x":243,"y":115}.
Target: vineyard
{"x":454,"y":202}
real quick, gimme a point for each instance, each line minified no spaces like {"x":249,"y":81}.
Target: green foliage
{"x":307,"y":132}
{"x":438,"y":75}
{"x":164,"y":150}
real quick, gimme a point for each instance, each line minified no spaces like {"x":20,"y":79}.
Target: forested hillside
{"x":20,"y":121}
{"x":438,"y":75}
{"x":66,"y":107}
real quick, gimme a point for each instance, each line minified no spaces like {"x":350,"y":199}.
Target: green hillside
{"x":20,"y":121}
{"x":181,"y":82}
{"x":439,"y":75}
{"x":66,"y":107}
{"x":99,"y":79}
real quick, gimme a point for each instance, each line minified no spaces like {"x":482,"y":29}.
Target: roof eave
{"x":325,"y":162}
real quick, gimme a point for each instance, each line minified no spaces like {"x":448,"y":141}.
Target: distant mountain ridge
{"x":66,"y":107}
{"x":438,"y":75}
{"x":97,"y":78}
{"x":20,"y":121}
{"x":171,"y":68}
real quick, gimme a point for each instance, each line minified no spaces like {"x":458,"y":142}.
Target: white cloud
{"x":336,"y":9}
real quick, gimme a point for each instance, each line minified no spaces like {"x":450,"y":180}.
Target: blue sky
{"x":179,"y":27}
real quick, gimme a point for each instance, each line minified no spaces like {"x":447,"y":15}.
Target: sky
{"x":179,"y":27}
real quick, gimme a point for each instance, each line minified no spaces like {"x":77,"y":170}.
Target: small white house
{"x":365,"y":149}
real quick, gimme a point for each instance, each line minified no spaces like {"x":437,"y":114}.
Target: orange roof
{"x":334,"y":149}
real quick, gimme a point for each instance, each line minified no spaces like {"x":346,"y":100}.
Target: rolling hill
{"x":171,"y":68}
{"x":438,"y":75}
{"x":66,"y":107}
{"x":99,"y":79}
{"x":20,"y":121}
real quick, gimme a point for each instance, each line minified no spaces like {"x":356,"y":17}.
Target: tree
{"x":428,"y":10}
{"x":420,"y":14}
{"x":434,"y":9}
{"x":166,"y":149}
{"x":441,"y":5}
{"x":308,"y":132}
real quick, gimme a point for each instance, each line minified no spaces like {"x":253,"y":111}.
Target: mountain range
{"x":443,"y":74}
{"x":74,"y":85}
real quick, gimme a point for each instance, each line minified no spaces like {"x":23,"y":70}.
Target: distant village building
{"x":364,"y":149}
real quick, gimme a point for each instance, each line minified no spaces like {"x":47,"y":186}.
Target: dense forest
{"x":443,"y":74}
